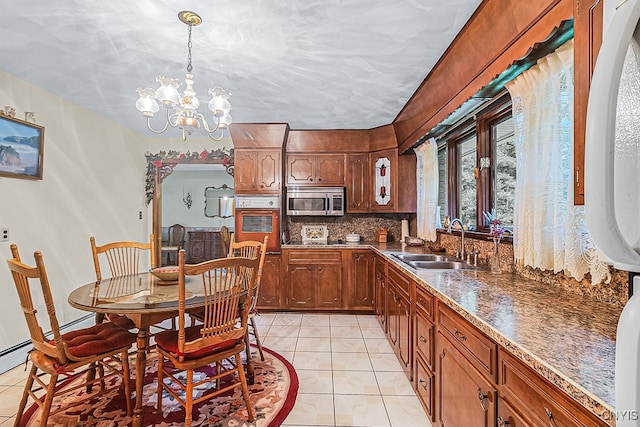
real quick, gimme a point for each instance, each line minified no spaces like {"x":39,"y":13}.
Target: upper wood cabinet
{"x":257,"y":171}
{"x":587,"y":15}
{"x":390,"y":172}
{"x":358,"y":183}
{"x":325,"y":170}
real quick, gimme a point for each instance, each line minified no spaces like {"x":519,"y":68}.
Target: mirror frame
{"x":159,"y":166}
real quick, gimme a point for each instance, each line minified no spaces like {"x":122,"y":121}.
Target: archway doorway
{"x":160,"y":166}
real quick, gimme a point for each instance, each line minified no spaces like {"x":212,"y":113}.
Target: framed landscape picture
{"x":21,"y":148}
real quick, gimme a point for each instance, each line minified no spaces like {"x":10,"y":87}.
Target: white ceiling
{"x":330,"y":64}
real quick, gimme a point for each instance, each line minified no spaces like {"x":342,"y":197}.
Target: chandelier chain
{"x":189,"y":67}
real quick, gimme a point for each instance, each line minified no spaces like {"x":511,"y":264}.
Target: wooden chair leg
{"x":46,"y":407}
{"x":188,"y":407}
{"x":245,"y":388}
{"x":160,"y":382}
{"x":254,"y":328}
{"x":25,"y":394}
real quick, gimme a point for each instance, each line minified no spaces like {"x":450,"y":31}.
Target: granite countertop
{"x":567,"y":338}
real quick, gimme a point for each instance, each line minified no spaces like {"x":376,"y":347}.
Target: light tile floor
{"x":348,"y":373}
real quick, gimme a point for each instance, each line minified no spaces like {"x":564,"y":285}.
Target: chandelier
{"x":182,"y":111}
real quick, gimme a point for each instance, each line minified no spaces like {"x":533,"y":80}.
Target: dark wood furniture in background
{"x":205,"y":245}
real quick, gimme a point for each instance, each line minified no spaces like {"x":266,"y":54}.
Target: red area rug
{"x":272,"y":396}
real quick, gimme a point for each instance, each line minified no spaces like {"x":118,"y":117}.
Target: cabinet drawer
{"x":317,"y":257}
{"x":424,"y":339}
{"x":424,"y":388}
{"x":424,"y":302}
{"x":480,"y":350}
{"x":401,"y":281}
{"x":538,"y":399}
{"x":509,"y":417}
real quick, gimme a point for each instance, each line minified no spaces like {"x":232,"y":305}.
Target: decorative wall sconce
{"x":187,"y":200}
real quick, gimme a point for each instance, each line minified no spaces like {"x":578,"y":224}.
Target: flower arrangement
{"x":497,"y":231}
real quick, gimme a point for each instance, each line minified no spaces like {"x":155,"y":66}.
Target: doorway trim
{"x":159,"y":166}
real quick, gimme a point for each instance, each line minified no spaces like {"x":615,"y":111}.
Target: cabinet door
{"x":464,"y":397}
{"x":300,"y":286}
{"x":392,"y":316}
{"x":268,"y":176}
{"x":384,"y":178}
{"x":424,"y":383}
{"x":329,"y":169}
{"x":269,"y":292}
{"x":357,"y":183}
{"x":362,"y":278}
{"x":300,"y":169}
{"x":404,"y":334}
{"x":328,"y":286}
{"x":245,"y":167}
{"x":257,"y":171}
{"x":380,"y":303}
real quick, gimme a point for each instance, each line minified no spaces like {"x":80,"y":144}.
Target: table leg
{"x":250,"y":373}
{"x":141,"y":364}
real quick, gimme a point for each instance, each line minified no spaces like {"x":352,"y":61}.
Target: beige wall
{"x":93,"y":184}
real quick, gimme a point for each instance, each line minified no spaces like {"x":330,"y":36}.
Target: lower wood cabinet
{"x":464,"y":397}
{"x":313,"y":279}
{"x":380,"y":292}
{"x":269,"y":292}
{"x":535,"y":399}
{"x":361,"y":278}
{"x":400,"y":320}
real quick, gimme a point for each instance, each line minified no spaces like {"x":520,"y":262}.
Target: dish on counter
{"x":352,"y":237}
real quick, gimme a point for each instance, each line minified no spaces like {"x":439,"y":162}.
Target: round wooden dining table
{"x":147,"y":301}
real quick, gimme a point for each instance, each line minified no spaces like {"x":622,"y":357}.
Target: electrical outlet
{"x":4,"y":234}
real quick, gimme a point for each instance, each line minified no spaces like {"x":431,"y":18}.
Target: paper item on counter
{"x":405,"y":229}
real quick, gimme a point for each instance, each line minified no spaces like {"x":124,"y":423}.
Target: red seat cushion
{"x":122,"y":321}
{"x":97,"y":339}
{"x":168,"y":341}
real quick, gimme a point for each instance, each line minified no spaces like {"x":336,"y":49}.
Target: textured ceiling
{"x":330,"y":64}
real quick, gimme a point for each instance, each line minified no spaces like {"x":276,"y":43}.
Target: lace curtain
{"x":549,"y":230}
{"x":427,"y":186}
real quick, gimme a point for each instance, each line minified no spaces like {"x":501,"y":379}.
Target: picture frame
{"x":21,"y":148}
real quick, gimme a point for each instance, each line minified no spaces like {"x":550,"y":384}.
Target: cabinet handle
{"x":502,"y":422}
{"x":552,"y":422}
{"x":459,"y":335}
{"x":422,"y":339}
{"x":319,"y":179}
{"x":423,"y":384}
{"x":357,"y":256}
{"x":309,"y":268}
{"x":484,"y":402}
{"x":319,"y":268}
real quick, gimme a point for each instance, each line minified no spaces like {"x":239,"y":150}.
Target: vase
{"x":495,"y":259}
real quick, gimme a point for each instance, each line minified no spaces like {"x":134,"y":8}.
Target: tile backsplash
{"x":339,"y":226}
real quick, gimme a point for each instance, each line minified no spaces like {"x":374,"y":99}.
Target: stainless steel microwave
{"x":316,"y":201}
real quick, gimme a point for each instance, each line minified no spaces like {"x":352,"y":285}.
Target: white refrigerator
{"x":612,"y":185}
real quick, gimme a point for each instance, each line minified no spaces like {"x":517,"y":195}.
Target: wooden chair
{"x":226,"y":282}
{"x":251,"y":249}
{"x":175,"y":242}
{"x":123,"y":258}
{"x":74,"y":353}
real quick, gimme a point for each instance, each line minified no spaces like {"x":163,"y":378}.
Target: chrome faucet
{"x":461,"y":232}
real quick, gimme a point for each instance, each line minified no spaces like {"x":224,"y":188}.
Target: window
{"x":477,"y":167}
{"x":467,"y":189}
{"x":504,"y":171}
{"x":442,"y":183}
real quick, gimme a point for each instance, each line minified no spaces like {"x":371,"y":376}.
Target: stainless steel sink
{"x":420,"y":257}
{"x":441,"y":265}
{"x":433,"y":262}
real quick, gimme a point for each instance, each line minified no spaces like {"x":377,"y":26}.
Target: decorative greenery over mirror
{"x":218,"y":202}
{"x":165,"y":161}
